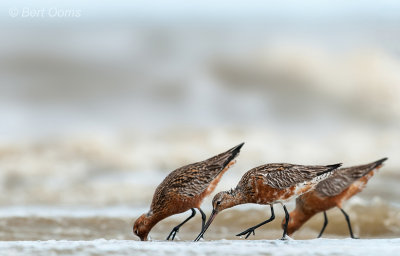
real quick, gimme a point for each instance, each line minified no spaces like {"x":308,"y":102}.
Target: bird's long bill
{"x":212,"y":217}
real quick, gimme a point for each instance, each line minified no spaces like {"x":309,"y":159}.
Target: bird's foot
{"x":200,"y":238}
{"x":247,"y":232}
{"x":173,"y":233}
{"x":286,"y":238}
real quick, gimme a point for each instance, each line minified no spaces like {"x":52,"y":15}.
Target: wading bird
{"x":269,"y":184}
{"x":332,"y":192}
{"x":184,"y":189}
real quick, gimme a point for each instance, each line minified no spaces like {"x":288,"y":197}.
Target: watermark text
{"x":54,"y":12}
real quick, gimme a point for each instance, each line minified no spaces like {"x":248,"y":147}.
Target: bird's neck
{"x":152,"y":220}
{"x":297,"y":218}
{"x":236,"y":197}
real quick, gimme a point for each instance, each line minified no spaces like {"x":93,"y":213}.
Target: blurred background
{"x":100,"y":101}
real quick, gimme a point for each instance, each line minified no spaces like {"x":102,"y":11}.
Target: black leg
{"x":247,"y":232}
{"x":203,"y":220}
{"x":348,"y":223}
{"x":176,"y":229}
{"x":287,"y":216}
{"x":324,"y":226}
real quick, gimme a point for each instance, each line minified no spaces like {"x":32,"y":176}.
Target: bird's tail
{"x":329,"y":168}
{"x":233,"y":153}
{"x":358,"y":171}
{"x":326,"y":172}
{"x":379,"y":163}
{"x":362,"y":170}
{"x":225,"y":158}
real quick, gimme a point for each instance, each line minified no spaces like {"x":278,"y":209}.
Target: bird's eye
{"x":218,"y":202}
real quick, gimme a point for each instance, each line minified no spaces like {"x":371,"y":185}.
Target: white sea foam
{"x":323,"y":247}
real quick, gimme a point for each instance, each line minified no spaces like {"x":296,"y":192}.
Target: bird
{"x":332,"y":192}
{"x":184,"y":189}
{"x":269,"y":184}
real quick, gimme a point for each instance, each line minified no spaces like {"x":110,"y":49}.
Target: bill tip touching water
{"x":269,"y":184}
{"x":184,"y":189}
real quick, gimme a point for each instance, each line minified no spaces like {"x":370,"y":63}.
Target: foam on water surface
{"x":219,"y":247}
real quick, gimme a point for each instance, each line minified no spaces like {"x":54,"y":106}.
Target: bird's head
{"x":221,"y":201}
{"x":141,"y":228}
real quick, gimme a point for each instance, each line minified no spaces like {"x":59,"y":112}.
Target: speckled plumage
{"x":344,"y":177}
{"x":283,"y":176}
{"x":190,"y":180}
{"x":270,"y":184}
{"x":184,"y":189}
{"x":332,"y":192}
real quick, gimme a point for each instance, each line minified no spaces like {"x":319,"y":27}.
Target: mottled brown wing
{"x":344,"y":177}
{"x":335,"y":184}
{"x":193,"y":179}
{"x":359,"y":171}
{"x":284,"y":175}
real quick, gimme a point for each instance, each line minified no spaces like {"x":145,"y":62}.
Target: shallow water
{"x":220,"y":247}
{"x":374,"y":219}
